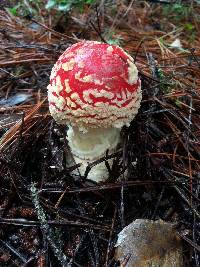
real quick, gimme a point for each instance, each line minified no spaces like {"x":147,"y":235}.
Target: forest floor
{"x":48,"y":215}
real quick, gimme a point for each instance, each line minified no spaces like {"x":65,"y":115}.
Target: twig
{"x":111,"y":186}
{"x":58,"y":223}
{"x":14,"y":251}
{"x":47,"y":231}
{"x":110,"y":236}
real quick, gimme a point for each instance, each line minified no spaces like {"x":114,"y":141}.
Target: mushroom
{"x":95,"y":90}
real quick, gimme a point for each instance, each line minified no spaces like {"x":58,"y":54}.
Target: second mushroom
{"x":95,"y":90}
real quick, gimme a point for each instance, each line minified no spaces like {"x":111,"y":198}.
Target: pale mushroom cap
{"x":94,"y":85}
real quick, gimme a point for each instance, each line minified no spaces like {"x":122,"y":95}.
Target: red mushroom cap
{"x":94,"y":85}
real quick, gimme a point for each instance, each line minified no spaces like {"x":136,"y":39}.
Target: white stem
{"x":91,"y":145}
{"x":98,"y":173}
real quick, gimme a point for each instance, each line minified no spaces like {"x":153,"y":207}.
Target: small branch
{"x":47,"y":231}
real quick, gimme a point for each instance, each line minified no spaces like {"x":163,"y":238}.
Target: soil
{"x":48,"y":215}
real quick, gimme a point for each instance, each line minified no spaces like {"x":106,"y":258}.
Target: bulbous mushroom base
{"x":98,"y":173}
{"x":90,"y":145}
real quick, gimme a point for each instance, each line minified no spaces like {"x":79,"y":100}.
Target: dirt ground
{"x":48,"y":215}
